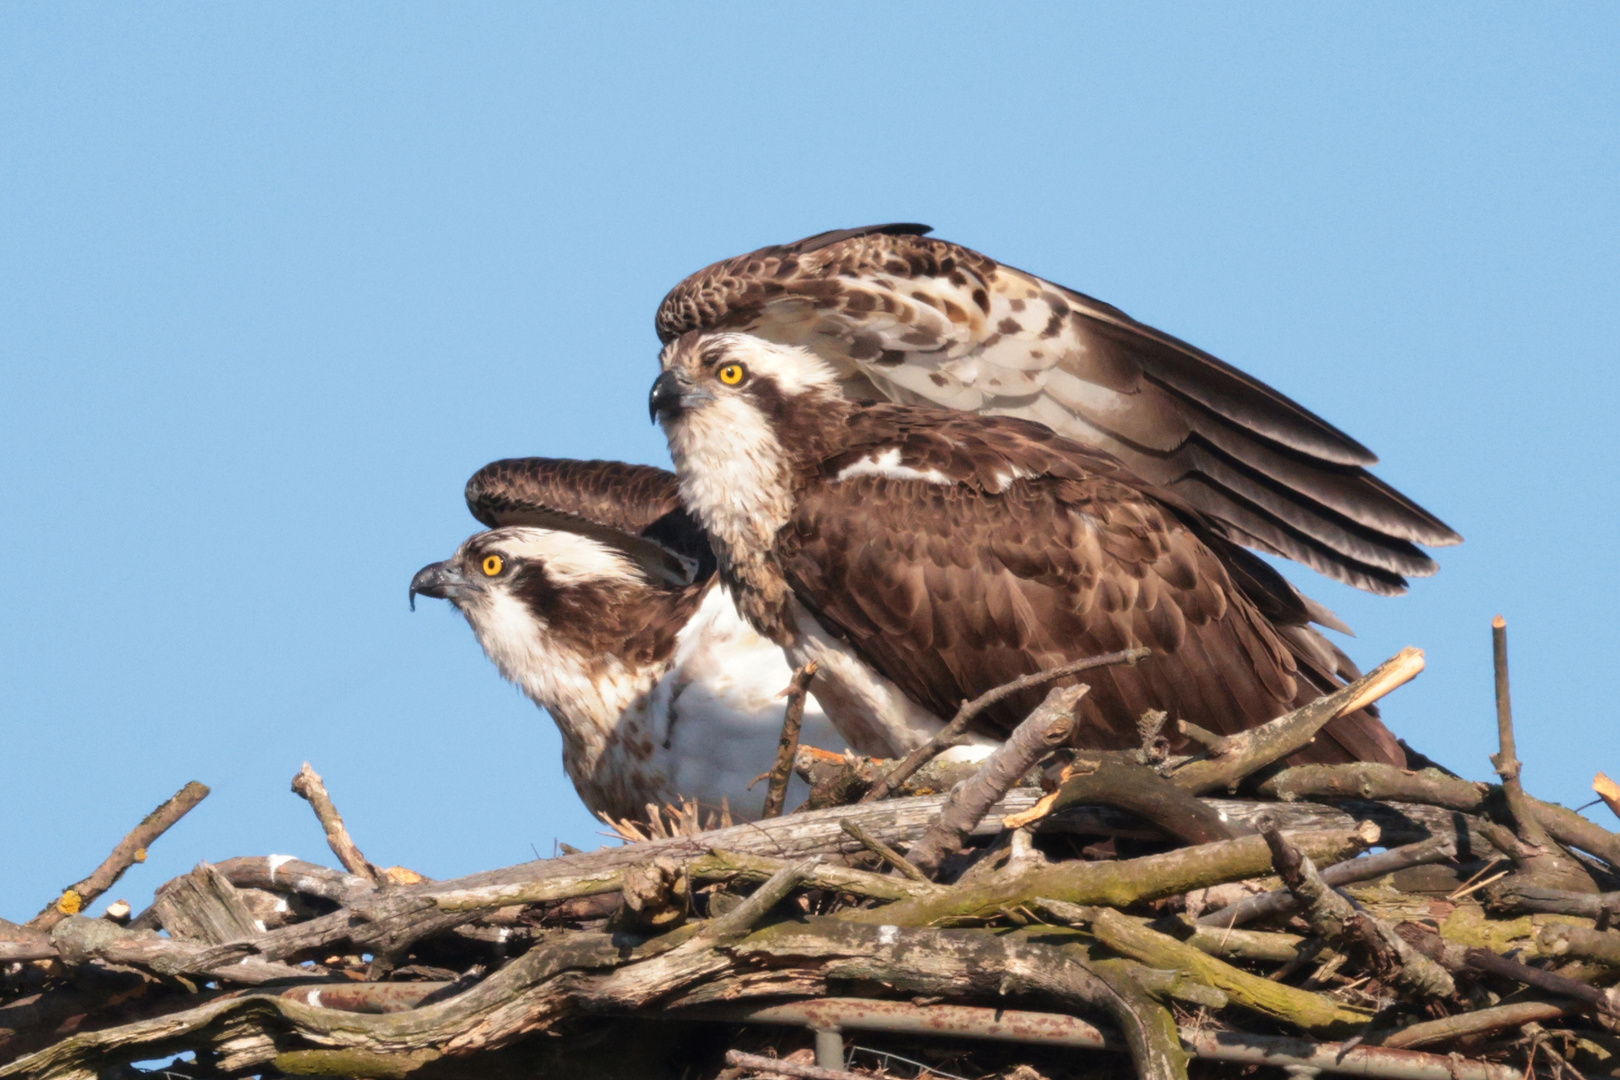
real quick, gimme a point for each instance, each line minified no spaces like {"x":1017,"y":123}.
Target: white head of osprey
{"x":722,"y":400}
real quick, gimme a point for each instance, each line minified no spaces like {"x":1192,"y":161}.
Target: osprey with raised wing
{"x":901,"y":316}
{"x":923,"y":556}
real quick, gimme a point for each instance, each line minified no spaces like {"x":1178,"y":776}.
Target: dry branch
{"x":1580,"y":942}
{"x":760,"y":1063}
{"x":1126,"y":785}
{"x":1506,"y":760}
{"x":1058,"y":1030}
{"x":308,"y":786}
{"x":130,"y":850}
{"x":882,"y":850}
{"x":79,"y":940}
{"x":948,"y":735}
{"x":1382,"y":951}
{"x":1384,"y":782}
{"x":1608,"y":791}
{"x":1044,"y":730}
{"x":1459,"y":958}
{"x":792,"y":721}
{"x":1251,"y":750}
{"x":1364,"y":868}
{"x":1478,"y":1022}
{"x":1523,"y":897}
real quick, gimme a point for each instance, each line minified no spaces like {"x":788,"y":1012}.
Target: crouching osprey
{"x":923,"y":556}
{"x":595,"y":593}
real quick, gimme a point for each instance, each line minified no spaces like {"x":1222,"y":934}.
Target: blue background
{"x":278,"y":278}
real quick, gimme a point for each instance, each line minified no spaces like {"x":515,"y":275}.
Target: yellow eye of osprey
{"x":732,"y":374}
{"x":493,"y":564}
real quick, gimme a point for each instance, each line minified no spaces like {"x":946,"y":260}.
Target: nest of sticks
{"x":1042,"y":913}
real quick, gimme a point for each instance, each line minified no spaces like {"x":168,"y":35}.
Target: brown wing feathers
{"x":611,"y":493}
{"x":925,"y":321}
{"x":951,"y":589}
{"x":636,"y":507}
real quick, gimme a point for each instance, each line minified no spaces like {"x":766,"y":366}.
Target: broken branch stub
{"x":309,"y":786}
{"x":1248,"y":751}
{"x":1043,"y":731}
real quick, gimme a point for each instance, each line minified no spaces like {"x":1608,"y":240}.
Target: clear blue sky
{"x":278,"y":278}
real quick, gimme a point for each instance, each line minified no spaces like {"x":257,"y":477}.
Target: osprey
{"x":898,"y":315}
{"x":595,"y":593}
{"x":924,"y":556}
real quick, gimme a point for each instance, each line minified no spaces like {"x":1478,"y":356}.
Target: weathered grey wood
{"x":966,"y":805}
{"x":283,"y":873}
{"x":203,"y":906}
{"x":79,"y":940}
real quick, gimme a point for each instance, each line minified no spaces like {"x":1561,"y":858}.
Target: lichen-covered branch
{"x":1119,"y":884}
{"x":1313,"y":1012}
{"x":1339,"y":922}
{"x":130,"y":850}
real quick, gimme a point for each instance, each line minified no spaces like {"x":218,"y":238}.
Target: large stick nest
{"x":1048,"y":913}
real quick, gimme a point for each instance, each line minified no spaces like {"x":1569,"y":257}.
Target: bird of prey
{"x":931,"y":555}
{"x":905,"y":317}
{"x":594,"y":592}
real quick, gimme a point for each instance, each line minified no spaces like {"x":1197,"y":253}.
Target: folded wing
{"x":635,"y":508}
{"x":1009,"y":556}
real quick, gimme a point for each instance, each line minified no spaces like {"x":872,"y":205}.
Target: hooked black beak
{"x":667,"y":397}
{"x":440,"y":580}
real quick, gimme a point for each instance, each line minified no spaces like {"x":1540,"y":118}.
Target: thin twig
{"x":1506,"y":762}
{"x":882,"y":850}
{"x":792,"y":721}
{"x":130,"y":850}
{"x":308,"y":785}
{"x":1469,"y":890}
{"x":946,"y":737}
{"x":760,"y":1063}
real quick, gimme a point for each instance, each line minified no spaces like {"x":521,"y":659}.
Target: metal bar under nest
{"x":1057,"y":1029}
